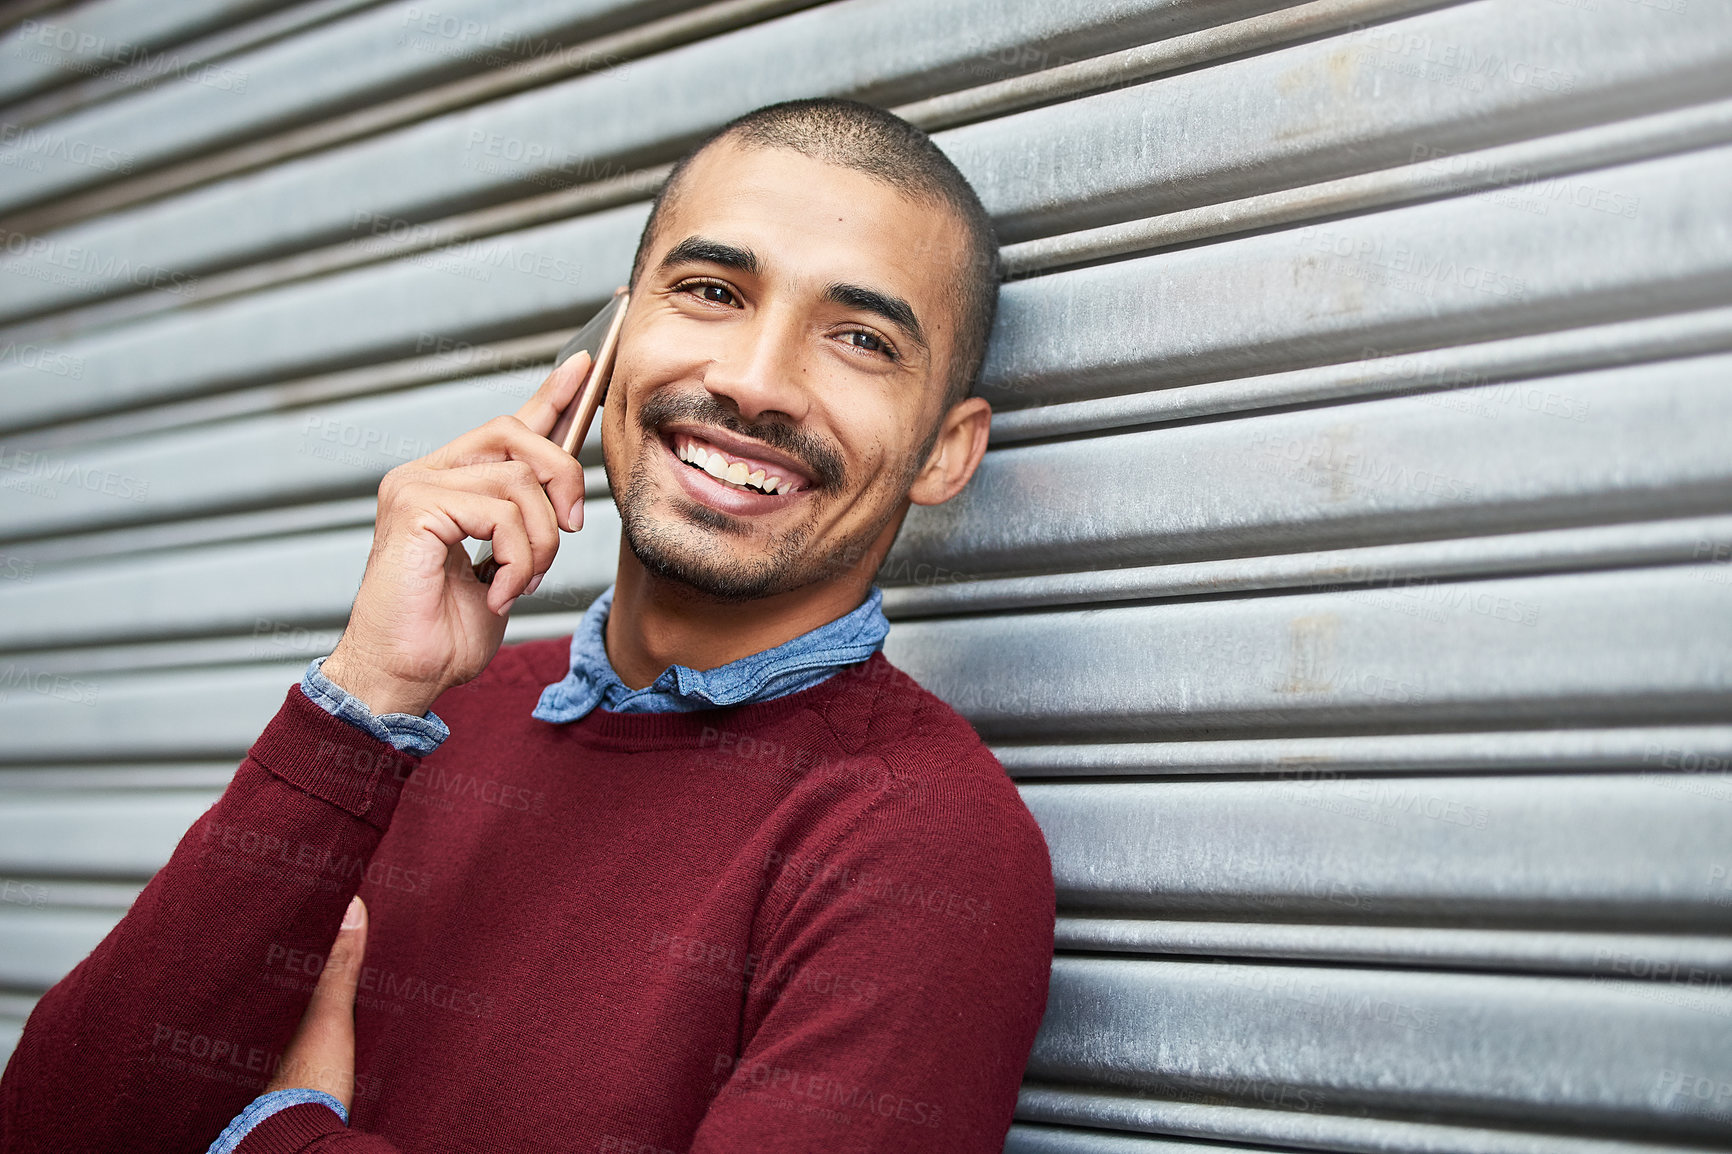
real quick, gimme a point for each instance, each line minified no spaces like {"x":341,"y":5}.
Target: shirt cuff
{"x":263,"y":1107}
{"x":404,"y":731}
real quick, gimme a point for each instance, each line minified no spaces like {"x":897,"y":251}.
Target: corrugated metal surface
{"x":1349,"y":585}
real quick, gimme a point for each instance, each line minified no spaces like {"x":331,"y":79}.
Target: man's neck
{"x":655,"y":623}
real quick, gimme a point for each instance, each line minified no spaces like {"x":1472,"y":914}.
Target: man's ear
{"x":956,"y":454}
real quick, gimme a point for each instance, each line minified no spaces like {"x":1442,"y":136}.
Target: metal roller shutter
{"x":1349,"y":585}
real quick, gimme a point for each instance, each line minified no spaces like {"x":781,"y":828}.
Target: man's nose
{"x":760,"y":369}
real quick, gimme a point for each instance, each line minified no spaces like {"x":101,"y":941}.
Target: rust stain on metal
{"x":1311,"y":654}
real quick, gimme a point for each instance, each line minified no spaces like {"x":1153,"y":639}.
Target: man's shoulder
{"x":943,"y":819}
{"x":884,"y":715}
{"x":878,"y":709}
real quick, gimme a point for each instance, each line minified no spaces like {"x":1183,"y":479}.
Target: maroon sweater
{"x":818,"y":923}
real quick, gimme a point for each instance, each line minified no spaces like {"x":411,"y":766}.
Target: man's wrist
{"x":379,"y":692}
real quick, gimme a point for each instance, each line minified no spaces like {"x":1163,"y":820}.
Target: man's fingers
{"x":513,"y":481}
{"x":517,"y":481}
{"x":540,"y":411}
{"x":508,"y":439}
{"x":452,"y":515}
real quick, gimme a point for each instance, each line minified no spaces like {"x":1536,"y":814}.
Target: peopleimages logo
{"x":1404,"y":266}
{"x":37,"y":145}
{"x":824,"y":1091}
{"x":796,"y":873}
{"x":77,"y":264}
{"x":56,"y":685}
{"x":49,"y":471}
{"x":68,"y":49}
{"x":42,"y":359}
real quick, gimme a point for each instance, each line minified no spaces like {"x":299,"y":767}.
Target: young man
{"x":712,"y":875}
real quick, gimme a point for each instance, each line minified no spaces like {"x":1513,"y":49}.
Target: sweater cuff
{"x":266,"y":1106}
{"x":325,"y":756}
{"x":417,"y":735}
{"x":291,"y":1130}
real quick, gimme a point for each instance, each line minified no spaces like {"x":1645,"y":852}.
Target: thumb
{"x":322,"y":1054}
{"x":335,"y":993}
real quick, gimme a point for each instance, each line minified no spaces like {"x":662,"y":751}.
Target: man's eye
{"x":871,"y":342}
{"x":716,"y":294}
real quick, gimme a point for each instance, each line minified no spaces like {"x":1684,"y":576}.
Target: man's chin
{"x":672,"y":555}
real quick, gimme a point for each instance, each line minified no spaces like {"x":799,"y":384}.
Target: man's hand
{"x":322,"y":1056}
{"x":421,"y":622}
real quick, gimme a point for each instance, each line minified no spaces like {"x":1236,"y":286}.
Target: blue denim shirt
{"x":788,"y":668}
{"x":590,"y":681}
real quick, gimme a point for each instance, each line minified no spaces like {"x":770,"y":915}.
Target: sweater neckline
{"x":603,"y":728}
{"x":590,"y":680}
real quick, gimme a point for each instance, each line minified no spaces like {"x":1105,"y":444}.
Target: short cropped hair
{"x":850,"y":134}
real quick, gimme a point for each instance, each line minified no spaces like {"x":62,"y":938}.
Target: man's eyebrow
{"x":893,"y":309}
{"x":702,"y":249}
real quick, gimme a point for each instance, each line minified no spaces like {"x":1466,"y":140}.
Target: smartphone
{"x":600,"y":338}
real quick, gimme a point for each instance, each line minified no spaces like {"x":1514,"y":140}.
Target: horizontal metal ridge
{"x":1601,"y":648}
{"x":163,"y":124}
{"x":1466,"y":268}
{"x":1691,"y":748}
{"x":512,"y":366}
{"x":115,"y":542}
{"x":142,"y":69}
{"x":1465,"y":365}
{"x":1283,"y":1128}
{"x":1430,"y":947}
{"x":146,"y":24}
{"x":121,"y":776}
{"x":1147,"y":61}
{"x":95,"y":836}
{"x":1405,"y":568}
{"x":1561,"y":1057}
{"x":1518,"y":167}
{"x":1031,"y":1138}
{"x":39,"y":947}
{"x":1500,"y":851}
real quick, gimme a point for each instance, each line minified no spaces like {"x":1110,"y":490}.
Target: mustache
{"x":824,"y":463}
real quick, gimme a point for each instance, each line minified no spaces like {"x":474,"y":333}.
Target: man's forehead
{"x":813,"y":217}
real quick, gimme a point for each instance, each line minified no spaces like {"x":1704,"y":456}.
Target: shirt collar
{"x":793,"y":665}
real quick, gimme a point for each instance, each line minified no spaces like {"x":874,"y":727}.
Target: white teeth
{"x":736,"y":473}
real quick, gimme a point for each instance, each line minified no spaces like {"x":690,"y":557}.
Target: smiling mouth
{"x":739,"y":473}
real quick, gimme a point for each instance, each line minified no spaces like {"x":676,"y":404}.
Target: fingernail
{"x":531,"y":587}
{"x":354,"y":915}
{"x":506,"y":608}
{"x":575,"y":518}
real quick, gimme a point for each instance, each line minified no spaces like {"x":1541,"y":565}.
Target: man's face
{"x":793,"y":320}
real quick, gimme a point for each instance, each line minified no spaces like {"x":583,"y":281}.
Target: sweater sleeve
{"x":309,"y":1128}
{"x":266,"y":1105}
{"x":417,"y":735}
{"x":181,"y":1014}
{"x":894,"y":1005}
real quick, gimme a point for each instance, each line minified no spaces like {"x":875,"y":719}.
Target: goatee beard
{"x":674,"y":548}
